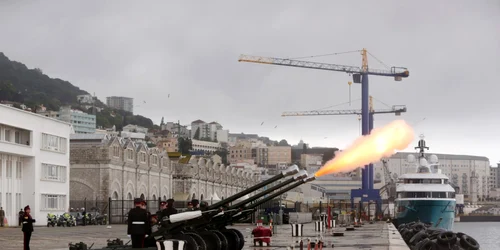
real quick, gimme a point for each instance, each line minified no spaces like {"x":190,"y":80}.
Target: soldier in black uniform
{"x":163,"y":207}
{"x":170,"y":208}
{"x":138,"y":223}
{"x":27,"y":228}
{"x":196,"y":204}
{"x":203,"y":205}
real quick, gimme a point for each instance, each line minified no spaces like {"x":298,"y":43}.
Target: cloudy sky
{"x":191,"y":50}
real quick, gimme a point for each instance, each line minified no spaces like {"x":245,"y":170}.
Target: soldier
{"x":170,"y":208}
{"x":138,"y":223}
{"x":196,"y":204}
{"x":203,"y":205}
{"x":27,"y":228}
{"x":163,"y":207}
{"x":20,"y":216}
{"x":2,"y":216}
{"x":190,"y":206}
{"x":84,"y":215}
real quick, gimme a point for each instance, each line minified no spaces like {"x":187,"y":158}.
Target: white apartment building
{"x":205,"y":146}
{"x":34,"y":164}
{"x":121,"y":103}
{"x":210,"y":131}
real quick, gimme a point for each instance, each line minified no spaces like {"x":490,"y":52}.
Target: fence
{"x":117,"y":210}
{"x":89,"y":205}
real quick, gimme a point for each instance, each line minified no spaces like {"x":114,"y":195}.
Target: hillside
{"x":31,"y":87}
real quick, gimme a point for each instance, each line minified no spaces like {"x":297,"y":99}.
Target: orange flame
{"x":382,"y":142}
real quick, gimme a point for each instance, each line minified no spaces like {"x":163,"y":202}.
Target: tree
{"x":185,"y":145}
{"x":283,"y":143}
{"x":197,"y":134}
{"x":223,"y":155}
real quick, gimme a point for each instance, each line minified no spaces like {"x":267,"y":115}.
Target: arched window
{"x":142,"y":196}
{"x":164,"y":198}
{"x":194,"y":196}
{"x":114,"y":196}
{"x":201,"y":197}
{"x":129,"y":196}
{"x":154,"y":197}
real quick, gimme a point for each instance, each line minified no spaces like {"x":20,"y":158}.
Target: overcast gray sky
{"x":147,"y":50}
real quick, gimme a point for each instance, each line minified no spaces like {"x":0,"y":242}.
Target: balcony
{"x":18,"y":137}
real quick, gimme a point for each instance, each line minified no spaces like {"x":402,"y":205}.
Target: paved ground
{"x":370,"y":236}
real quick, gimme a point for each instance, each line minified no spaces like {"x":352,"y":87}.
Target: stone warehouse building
{"x":103,"y":166}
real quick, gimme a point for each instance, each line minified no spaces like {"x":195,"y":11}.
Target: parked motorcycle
{"x":51,"y":220}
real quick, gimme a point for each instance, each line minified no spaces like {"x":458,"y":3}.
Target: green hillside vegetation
{"x":33,"y":88}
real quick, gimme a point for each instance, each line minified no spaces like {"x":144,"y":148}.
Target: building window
{"x":53,"y":143}
{"x":116,"y":151}
{"x":52,"y":172}
{"x":143,"y":157}
{"x":17,"y":137}
{"x":9,"y":167}
{"x":155,"y":160}
{"x":53,"y":202}
{"x":130,"y":154}
{"x":7,"y":135}
{"x":19,"y":169}
{"x":8,"y":202}
{"x":18,"y":201}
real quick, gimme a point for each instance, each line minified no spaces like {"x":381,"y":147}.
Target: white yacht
{"x":425,"y":195}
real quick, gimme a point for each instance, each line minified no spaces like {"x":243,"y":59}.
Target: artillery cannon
{"x":209,"y":231}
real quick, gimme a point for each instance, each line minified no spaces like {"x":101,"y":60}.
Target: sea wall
{"x":480,"y":218}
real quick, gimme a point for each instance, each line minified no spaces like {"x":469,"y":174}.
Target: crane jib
{"x":394,"y":71}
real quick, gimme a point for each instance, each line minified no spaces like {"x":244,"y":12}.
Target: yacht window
{"x":445,"y":181}
{"x":425,"y":181}
{"x":451,"y":195}
{"x":414,"y":195}
{"x":438,"y":194}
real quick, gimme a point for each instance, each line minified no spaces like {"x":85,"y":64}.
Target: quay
{"x":377,"y":236}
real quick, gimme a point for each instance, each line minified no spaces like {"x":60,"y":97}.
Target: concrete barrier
{"x":295,"y":218}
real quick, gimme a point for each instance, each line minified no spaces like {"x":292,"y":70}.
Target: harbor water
{"x":486,"y":233}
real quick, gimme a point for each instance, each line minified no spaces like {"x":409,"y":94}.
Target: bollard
{"x":297,"y":230}
{"x":171,"y":244}
{"x":331,"y":224}
{"x":319,"y":226}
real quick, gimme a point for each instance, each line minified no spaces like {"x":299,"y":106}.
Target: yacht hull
{"x":427,"y":211}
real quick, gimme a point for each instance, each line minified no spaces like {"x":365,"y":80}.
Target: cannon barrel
{"x":251,"y":207}
{"x":270,"y":197}
{"x":290,"y":171}
{"x":274,"y":195}
{"x":299,"y":176}
{"x":208,"y":215}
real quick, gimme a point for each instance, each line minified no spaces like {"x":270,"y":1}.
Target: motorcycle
{"x":51,"y":220}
